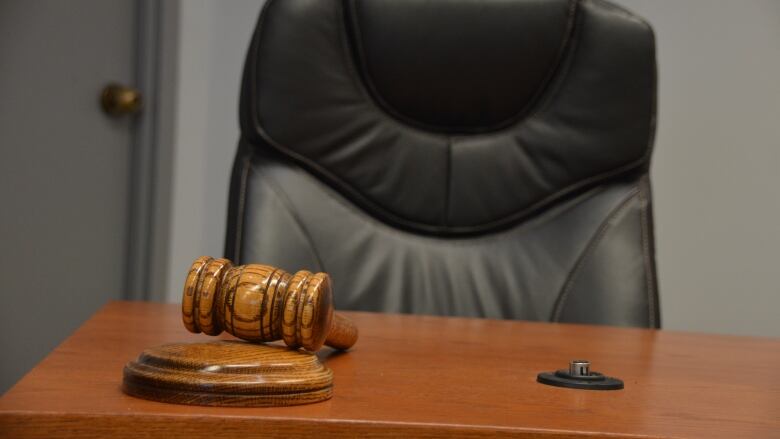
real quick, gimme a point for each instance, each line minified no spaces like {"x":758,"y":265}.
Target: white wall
{"x":715,"y":170}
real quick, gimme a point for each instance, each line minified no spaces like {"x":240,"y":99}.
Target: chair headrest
{"x":452,"y":116}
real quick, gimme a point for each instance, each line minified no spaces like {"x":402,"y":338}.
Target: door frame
{"x":152,"y":151}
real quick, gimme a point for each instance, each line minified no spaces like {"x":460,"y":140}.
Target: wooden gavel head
{"x":263,"y":303}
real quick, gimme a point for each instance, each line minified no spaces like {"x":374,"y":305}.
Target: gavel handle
{"x":343,"y":333}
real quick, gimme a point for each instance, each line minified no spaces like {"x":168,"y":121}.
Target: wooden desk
{"x":423,"y":376}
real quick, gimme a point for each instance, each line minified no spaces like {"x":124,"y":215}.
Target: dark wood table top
{"x":423,"y":376}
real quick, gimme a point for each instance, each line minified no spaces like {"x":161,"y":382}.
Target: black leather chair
{"x":460,"y":157}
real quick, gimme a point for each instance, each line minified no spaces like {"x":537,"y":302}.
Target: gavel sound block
{"x":256,"y":303}
{"x":228,"y":373}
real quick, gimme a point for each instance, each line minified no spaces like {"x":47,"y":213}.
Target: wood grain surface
{"x":228,"y":373}
{"x":424,"y":377}
{"x":257,"y":302}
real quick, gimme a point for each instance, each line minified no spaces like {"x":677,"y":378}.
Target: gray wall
{"x":717,"y":188}
{"x":213,"y":38}
{"x":717,"y":148}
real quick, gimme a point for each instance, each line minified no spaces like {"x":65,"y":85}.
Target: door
{"x":64,"y":170}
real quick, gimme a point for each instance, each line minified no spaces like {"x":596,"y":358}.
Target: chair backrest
{"x":462,"y":157}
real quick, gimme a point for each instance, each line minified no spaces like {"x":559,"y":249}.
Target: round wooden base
{"x":228,"y":373}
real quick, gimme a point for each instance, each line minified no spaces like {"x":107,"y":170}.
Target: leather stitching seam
{"x":645,"y":263}
{"x":650,"y":273}
{"x":241,"y":207}
{"x":288,"y":206}
{"x":595,"y":240}
{"x":339,"y":199}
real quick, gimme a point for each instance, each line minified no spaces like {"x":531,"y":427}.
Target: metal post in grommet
{"x":579,"y":376}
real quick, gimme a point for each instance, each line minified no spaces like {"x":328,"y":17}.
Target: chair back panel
{"x":468,"y":157}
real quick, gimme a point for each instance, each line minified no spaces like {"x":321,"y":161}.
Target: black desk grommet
{"x":579,"y":376}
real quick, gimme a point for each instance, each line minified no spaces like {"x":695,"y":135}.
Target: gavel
{"x":262,"y":303}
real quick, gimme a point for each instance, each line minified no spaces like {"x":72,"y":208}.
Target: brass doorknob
{"x":117,"y":100}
